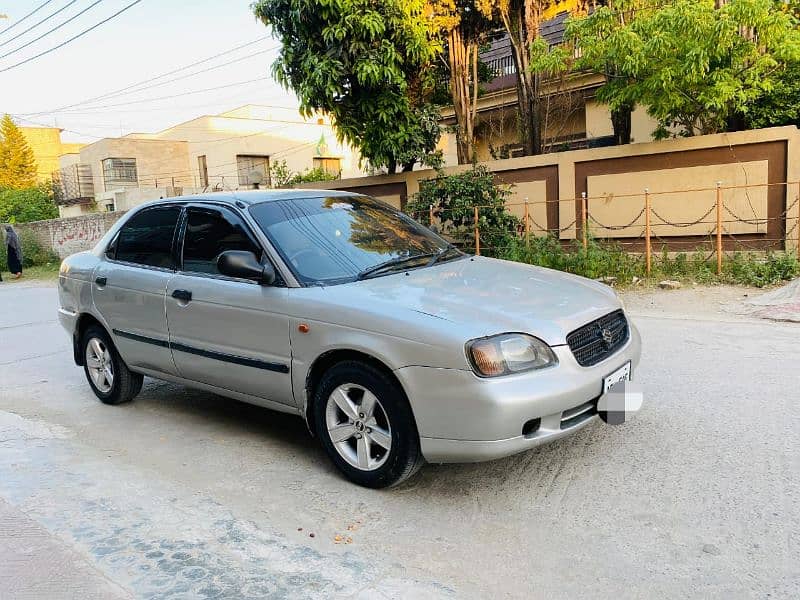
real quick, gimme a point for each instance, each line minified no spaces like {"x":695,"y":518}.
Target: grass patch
{"x":46,"y":272}
{"x":609,"y":259}
{"x":38,"y":262}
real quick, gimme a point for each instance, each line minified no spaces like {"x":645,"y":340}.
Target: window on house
{"x":332,"y":166}
{"x":253,"y":169}
{"x":202,"y":164}
{"x":120,"y":170}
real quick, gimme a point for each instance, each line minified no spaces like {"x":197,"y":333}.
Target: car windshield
{"x":339,"y":239}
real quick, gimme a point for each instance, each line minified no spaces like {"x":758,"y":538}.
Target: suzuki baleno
{"x":392,"y":344}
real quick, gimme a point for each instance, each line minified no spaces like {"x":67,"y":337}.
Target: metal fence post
{"x":477,"y":235}
{"x":719,"y":228}
{"x":527,"y":226}
{"x":585,"y":220}
{"x":647,"y":247}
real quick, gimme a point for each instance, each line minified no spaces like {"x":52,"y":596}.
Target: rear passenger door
{"x":227,"y":332}
{"x":130,"y":286}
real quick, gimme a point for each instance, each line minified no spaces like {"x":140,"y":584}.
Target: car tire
{"x":392,"y":414}
{"x":125,"y":385}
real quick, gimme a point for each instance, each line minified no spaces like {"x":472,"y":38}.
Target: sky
{"x":152,"y":38}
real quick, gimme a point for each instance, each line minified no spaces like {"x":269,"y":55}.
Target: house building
{"x":237,"y":149}
{"x":47,"y":147}
{"x":572,"y":116}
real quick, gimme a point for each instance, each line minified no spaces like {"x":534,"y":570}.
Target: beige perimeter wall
{"x":758,"y":173}
{"x":681,"y":176}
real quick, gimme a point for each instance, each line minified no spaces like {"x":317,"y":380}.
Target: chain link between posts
{"x":685,"y":223}
{"x":616,"y":227}
{"x":718,"y":225}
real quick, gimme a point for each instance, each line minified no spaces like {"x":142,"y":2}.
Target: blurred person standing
{"x":14,"y":249}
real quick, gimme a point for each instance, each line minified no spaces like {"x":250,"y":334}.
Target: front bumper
{"x":465,"y":418}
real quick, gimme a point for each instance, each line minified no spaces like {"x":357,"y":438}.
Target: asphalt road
{"x":183,"y":494}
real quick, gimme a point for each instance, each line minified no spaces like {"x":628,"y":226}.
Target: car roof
{"x":251,"y":197}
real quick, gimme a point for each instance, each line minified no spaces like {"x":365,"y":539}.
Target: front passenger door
{"x":227,"y":332}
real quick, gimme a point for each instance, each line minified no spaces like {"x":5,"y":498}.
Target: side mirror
{"x":244,"y":265}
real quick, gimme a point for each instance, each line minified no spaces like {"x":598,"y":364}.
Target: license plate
{"x":621,"y":374}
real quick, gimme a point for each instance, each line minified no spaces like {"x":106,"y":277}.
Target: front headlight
{"x":509,"y":353}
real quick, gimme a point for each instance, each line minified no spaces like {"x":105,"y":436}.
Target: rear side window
{"x":211,"y":232}
{"x":147,"y":238}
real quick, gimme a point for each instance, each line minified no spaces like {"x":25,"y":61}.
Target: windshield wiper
{"x":389,"y":264}
{"x":441,"y":254}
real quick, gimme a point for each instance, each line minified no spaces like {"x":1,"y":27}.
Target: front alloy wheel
{"x":365,"y":424}
{"x":358,"y":427}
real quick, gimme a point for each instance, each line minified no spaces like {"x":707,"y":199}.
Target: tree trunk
{"x":475,"y":86}
{"x":621,"y":121}
{"x":518,"y":21}
{"x":460,"y":55}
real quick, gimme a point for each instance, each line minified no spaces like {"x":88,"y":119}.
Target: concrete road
{"x":183,"y":494}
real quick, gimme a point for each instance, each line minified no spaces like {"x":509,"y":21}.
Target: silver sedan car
{"x":392,"y":344}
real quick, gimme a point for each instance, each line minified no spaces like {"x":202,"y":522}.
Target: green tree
{"x":601,"y":36}
{"x":781,"y":104}
{"x":366,"y":64}
{"x":463,"y":29}
{"x":25,"y":205}
{"x":695,"y":67}
{"x":521,"y":20}
{"x":17,"y":164}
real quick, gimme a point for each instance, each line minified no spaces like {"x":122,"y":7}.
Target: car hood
{"x":485,"y":296}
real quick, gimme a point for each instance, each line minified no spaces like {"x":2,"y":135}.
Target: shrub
{"x":600,"y":259}
{"x":283,"y":177}
{"x":25,"y":205}
{"x":608,"y":259}
{"x":759,"y":272}
{"x":454,"y":198}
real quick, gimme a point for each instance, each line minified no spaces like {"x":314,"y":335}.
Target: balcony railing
{"x":73,"y":185}
{"x":500,"y":61}
{"x":501,"y":66}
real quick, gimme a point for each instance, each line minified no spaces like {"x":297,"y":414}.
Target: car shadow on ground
{"x":270,"y":433}
{"x":227,"y":416}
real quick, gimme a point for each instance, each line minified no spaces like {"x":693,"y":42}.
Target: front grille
{"x":599,"y":339}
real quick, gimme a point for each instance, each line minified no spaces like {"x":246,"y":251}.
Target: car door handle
{"x":182,"y":295}
{"x":101,"y":280}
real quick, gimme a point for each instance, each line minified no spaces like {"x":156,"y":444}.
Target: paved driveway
{"x":185,"y":494}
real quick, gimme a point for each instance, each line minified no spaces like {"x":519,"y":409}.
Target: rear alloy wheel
{"x":108,"y":375}
{"x":365,"y":424}
{"x":99,"y":365}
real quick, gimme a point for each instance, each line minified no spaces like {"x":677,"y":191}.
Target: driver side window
{"x":209,"y":233}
